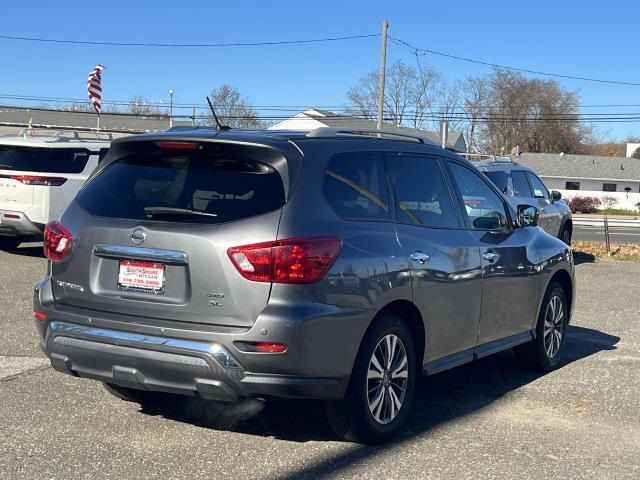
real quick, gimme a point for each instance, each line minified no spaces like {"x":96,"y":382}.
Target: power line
{"x":422,"y":51}
{"x":188,"y":45}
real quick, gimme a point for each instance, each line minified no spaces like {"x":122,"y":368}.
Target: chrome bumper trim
{"x":140,"y":253}
{"x":135,"y":339}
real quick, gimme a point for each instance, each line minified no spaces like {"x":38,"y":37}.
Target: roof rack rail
{"x":327,"y":132}
{"x":478,"y":157}
{"x":61,"y":134}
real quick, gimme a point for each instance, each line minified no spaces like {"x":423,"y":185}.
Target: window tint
{"x":356,"y":187}
{"x":539,"y":189}
{"x":609,"y":187}
{"x":521,"y":186}
{"x":483,"y":206}
{"x":218,"y":188}
{"x":500,"y":180}
{"x":422,"y":196}
{"x":572,"y":185}
{"x":49,"y":160}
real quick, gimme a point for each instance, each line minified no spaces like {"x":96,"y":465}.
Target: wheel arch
{"x":411,"y":316}
{"x":563,"y":278}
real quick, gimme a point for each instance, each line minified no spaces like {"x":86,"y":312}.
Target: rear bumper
{"x":18,"y":224}
{"x":171,"y":365}
{"x":322,"y":346}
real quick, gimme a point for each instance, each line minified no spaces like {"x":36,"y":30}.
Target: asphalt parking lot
{"x":485,"y":420}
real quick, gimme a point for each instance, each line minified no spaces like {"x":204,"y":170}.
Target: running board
{"x":481,"y":351}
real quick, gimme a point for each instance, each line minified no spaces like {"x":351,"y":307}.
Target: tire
{"x":544,"y":353}
{"x":9,"y":243}
{"x":565,"y":234}
{"x":143,"y":397}
{"x":367,"y":413}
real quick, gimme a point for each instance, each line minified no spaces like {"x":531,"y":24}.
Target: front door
{"x":550,"y":214}
{"x":444,"y":256}
{"x":510,"y":279}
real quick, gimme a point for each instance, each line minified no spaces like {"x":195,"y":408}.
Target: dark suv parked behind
{"x":522,"y":186}
{"x":332,"y":265}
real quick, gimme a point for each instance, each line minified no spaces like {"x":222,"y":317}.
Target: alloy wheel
{"x":553,"y":326}
{"x":387,"y":379}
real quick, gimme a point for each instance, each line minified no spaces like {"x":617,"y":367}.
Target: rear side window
{"x":520,"y":184}
{"x":190,"y":187}
{"x":422,"y":195}
{"x":49,"y":160}
{"x":500,"y":180}
{"x":355,"y":186}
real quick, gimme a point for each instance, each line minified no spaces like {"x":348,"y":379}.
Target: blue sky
{"x":582,"y":38}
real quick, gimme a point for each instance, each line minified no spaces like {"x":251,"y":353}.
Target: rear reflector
{"x":261,"y":347}
{"x":12,"y":215}
{"x":39,"y":180}
{"x":178,"y":145}
{"x":39,"y":315}
{"x":294,"y":260}
{"x":57,"y":241}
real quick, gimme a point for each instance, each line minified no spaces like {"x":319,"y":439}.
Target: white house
{"x":631,"y":148}
{"x":315,"y":118}
{"x":588,"y":176}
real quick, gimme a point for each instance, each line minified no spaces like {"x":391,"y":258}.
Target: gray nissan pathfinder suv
{"x":335,"y":265}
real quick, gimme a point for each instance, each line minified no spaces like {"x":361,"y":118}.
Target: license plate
{"x":141,"y":277}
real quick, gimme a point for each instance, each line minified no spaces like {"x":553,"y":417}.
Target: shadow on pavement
{"x":438,"y":399}
{"x":33,"y":250}
{"x":583,"y":257}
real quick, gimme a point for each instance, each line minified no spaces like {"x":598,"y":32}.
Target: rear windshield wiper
{"x":176,"y":212}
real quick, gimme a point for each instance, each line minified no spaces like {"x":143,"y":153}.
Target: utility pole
{"x":383,"y":72}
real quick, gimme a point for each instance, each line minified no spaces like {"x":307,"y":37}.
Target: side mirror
{"x":555,"y":195}
{"x":527,"y":216}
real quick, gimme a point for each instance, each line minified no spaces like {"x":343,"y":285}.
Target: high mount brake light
{"x":39,"y":180}
{"x":57,"y":241}
{"x":294,"y":260}
{"x":178,"y":145}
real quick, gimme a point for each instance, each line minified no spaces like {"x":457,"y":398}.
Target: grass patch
{"x":589,"y":251}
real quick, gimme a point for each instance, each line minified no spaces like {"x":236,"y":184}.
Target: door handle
{"x":490,"y":256}
{"x":419,"y":257}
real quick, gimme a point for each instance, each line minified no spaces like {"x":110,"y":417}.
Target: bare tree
{"x":537,"y":115}
{"x":409,"y":95}
{"x":450,"y":104}
{"x":474,"y":91}
{"x":139,"y":105}
{"x":233,"y":109}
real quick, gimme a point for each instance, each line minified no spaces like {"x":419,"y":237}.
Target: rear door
{"x":152,"y":230}
{"x":444,"y":257}
{"x":510,"y":278}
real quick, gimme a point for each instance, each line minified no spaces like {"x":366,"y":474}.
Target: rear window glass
{"x":500,"y":180}
{"x":50,"y":160}
{"x":190,"y":187}
{"x":355,"y":186}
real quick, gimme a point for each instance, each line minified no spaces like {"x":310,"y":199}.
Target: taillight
{"x":294,"y":260}
{"x":57,"y":241}
{"x":39,"y":180}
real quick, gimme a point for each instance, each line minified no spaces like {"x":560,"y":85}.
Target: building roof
{"x":581,"y":166}
{"x":314,"y":118}
{"x":20,"y":117}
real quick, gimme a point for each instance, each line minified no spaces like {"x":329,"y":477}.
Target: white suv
{"x":39,"y":176}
